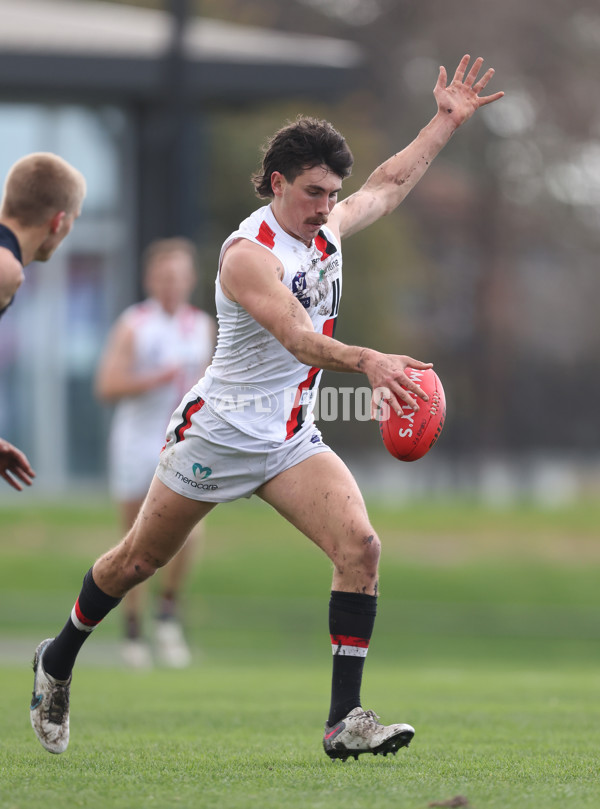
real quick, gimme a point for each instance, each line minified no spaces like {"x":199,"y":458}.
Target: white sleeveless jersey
{"x":160,"y":340}
{"x":254,"y":383}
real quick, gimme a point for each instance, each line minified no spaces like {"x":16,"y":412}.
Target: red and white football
{"x":410,"y":436}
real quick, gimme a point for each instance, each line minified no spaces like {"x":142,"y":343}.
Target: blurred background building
{"x":124,"y":94}
{"x":490,"y":268}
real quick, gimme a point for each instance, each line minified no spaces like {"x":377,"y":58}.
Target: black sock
{"x":90,"y":608}
{"x":351,"y":621}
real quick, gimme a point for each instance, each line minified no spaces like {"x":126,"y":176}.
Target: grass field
{"x":487,"y":640}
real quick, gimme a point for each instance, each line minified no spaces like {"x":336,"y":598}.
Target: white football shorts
{"x":206,"y":458}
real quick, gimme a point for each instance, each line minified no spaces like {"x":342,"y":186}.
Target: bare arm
{"x":116,"y":377}
{"x":251,"y":277}
{"x":391,"y":182}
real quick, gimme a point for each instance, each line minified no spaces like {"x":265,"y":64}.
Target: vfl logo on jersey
{"x":299,"y":288}
{"x":312,"y":287}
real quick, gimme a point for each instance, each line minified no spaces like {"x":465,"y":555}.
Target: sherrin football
{"x":410,"y":436}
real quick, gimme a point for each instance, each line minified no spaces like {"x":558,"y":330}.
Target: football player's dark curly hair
{"x":301,"y":145}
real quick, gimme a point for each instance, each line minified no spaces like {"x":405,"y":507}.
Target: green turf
{"x":487,"y":640}
{"x":225,"y":736}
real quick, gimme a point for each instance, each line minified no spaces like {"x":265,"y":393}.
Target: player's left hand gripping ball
{"x":410,"y":436}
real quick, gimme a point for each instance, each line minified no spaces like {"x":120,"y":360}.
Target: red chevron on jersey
{"x":325,"y":247}
{"x":329,"y":327}
{"x":266,"y":236}
{"x":296,"y":419}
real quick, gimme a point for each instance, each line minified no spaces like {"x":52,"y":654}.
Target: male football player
{"x":42,"y":198}
{"x":247,"y":428}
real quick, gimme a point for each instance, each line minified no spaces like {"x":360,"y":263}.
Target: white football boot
{"x":49,"y":710}
{"x":360,"y":732}
{"x":171,"y":648}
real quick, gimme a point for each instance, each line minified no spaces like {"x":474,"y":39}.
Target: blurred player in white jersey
{"x":156,"y":350}
{"x":247,"y":427}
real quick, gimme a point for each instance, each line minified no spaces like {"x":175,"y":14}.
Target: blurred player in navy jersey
{"x":42,"y":198}
{"x":155,"y":352}
{"x":247,"y":426}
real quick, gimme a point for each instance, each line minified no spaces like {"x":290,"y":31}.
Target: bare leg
{"x":158,"y":533}
{"x":173,"y":574}
{"x":321,"y":498}
{"x":134,"y":601}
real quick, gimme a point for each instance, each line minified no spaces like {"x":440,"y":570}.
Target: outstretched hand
{"x":461,"y":98}
{"x":14,"y":466}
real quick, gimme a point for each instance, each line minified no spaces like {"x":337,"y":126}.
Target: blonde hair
{"x":40,"y":185}
{"x":165,"y":247}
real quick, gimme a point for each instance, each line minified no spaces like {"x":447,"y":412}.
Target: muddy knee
{"x":369,"y":552}
{"x":140,"y":569}
{"x":121,"y":569}
{"x":360,"y":555}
